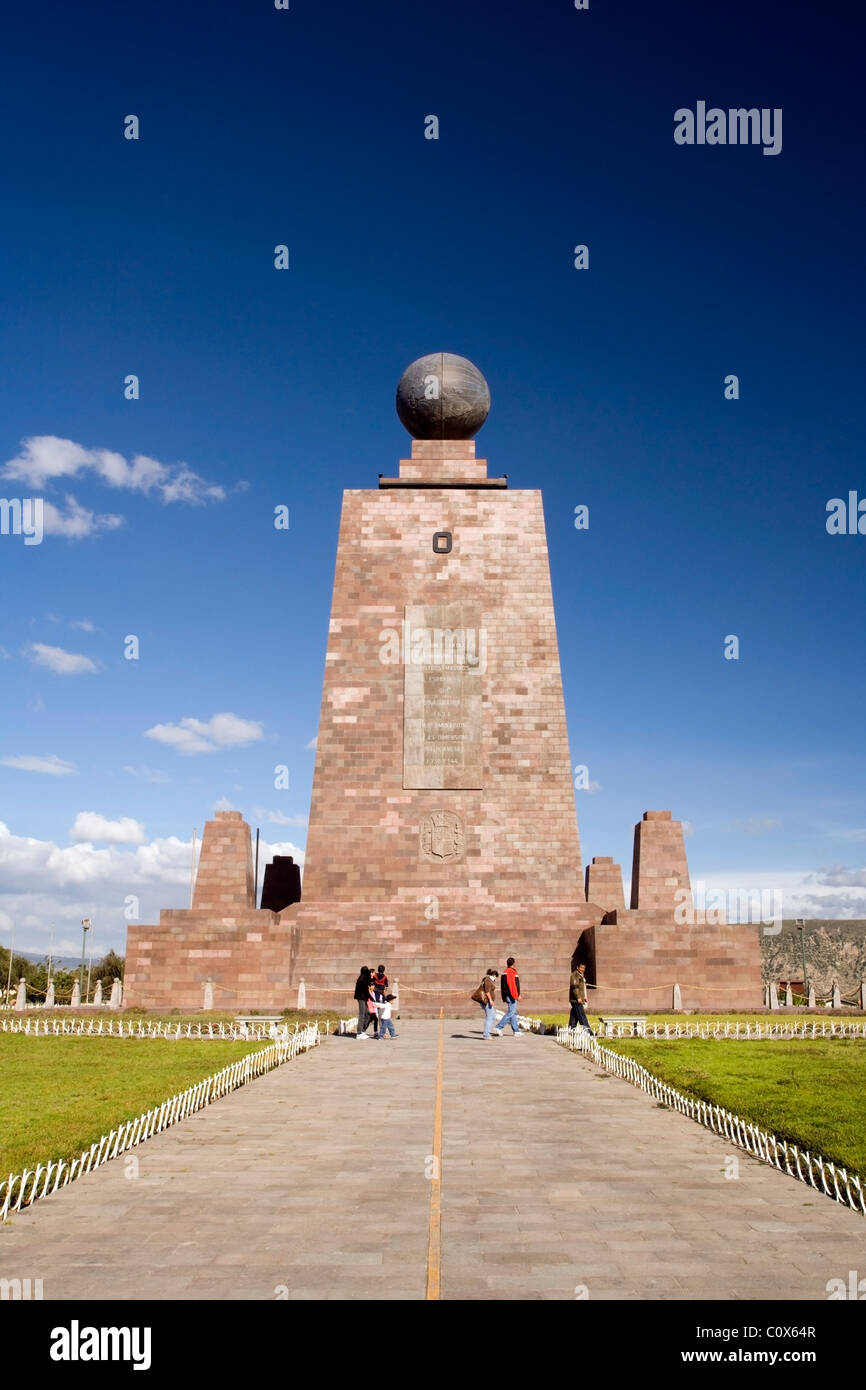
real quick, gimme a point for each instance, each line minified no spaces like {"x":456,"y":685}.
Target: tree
{"x":108,"y":969}
{"x":20,"y":966}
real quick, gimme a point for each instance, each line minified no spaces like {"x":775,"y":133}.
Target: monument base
{"x":257,"y":960}
{"x":244,"y":955}
{"x":635,"y":958}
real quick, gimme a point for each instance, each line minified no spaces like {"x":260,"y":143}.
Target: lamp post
{"x":9,"y":977}
{"x":86,"y":924}
{"x":800,"y":924}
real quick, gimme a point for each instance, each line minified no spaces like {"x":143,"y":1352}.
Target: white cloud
{"x":267,"y":852}
{"x":84,"y":624}
{"x":183,"y":740}
{"x":838,"y":876}
{"x":187,"y":486}
{"x":279,"y":817}
{"x":148,"y":774}
{"x":52,"y":765}
{"x":833,"y":906}
{"x":757,"y":825}
{"x":312,"y":743}
{"x":43,"y":883}
{"x":76,"y":523}
{"x":45,"y":457}
{"x":90,"y":825}
{"x":63,"y":663}
{"x":224,"y":804}
{"x":193,"y":736}
{"x":801,"y":894}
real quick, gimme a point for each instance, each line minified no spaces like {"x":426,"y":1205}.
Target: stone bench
{"x":637,"y":1025}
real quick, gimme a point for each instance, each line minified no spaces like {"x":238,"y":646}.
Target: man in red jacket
{"x":510,"y":987}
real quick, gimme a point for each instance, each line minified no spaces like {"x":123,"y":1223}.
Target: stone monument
{"x":443,"y":834}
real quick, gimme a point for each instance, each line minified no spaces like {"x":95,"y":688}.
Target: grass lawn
{"x":808,"y":1092}
{"x":59,"y":1095}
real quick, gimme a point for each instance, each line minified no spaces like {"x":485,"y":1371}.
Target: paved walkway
{"x":313,"y":1182}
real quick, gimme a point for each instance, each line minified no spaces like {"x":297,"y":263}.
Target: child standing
{"x":386,"y":1027}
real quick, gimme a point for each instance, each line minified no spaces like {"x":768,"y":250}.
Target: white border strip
{"x":742,"y":1031}
{"x":116,"y":1028}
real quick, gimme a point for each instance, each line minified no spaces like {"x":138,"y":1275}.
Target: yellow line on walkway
{"x":434,"y":1238}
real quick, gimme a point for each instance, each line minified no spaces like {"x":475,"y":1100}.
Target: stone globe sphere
{"x":442,"y":396}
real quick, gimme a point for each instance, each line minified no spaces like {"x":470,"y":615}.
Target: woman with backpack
{"x":485,"y":995}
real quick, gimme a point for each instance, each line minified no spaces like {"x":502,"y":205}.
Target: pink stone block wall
{"x":604,"y":884}
{"x":522,"y":842}
{"x":225,"y":867}
{"x":659,"y":867}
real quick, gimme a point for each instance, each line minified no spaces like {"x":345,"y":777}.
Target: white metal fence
{"x":118,"y":1028}
{"x":818,"y":1172}
{"x":22,"y":1189}
{"x":826,"y":1028}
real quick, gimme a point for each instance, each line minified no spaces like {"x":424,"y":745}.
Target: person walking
{"x":510,"y":989}
{"x":577,"y":999}
{"x":363,"y":998}
{"x":485,"y":995}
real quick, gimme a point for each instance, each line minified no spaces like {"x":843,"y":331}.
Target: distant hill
{"x":835,"y":951}
{"x":58,"y":962}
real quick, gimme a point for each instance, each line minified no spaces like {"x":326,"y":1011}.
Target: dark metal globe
{"x":442,"y":396}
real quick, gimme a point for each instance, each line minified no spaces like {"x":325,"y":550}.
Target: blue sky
{"x":261,"y":387}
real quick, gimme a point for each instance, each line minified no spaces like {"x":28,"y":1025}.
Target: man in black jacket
{"x":577,"y":999}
